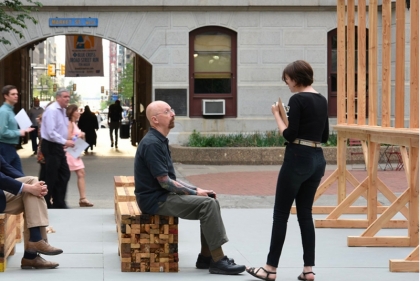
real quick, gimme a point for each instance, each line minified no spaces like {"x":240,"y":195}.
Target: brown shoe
{"x":37,"y":263}
{"x":43,"y":247}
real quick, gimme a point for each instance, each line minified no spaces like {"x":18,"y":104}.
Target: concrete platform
{"x":89,"y":241}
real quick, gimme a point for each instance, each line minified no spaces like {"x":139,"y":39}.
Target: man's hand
{"x":69,"y":143}
{"x":23,"y":132}
{"x":38,"y":189}
{"x":205,"y":192}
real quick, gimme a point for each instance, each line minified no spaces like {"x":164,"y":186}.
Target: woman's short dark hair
{"x":70,"y":110}
{"x":299,"y":71}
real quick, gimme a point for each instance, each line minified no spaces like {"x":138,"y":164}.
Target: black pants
{"x":34,"y":138}
{"x":57,"y":173}
{"x":299,"y":178}
{"x":114,"y":126}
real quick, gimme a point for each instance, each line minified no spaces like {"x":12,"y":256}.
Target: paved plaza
{"x":89,"y":239}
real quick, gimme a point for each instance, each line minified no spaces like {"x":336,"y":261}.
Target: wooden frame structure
{"x":372,"y":133}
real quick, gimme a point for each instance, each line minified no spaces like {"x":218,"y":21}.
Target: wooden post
{"x":373,"y":62}
{"x":341,"y":61}
{"x":361,"y":63}
{"x":386,"y":63}
{"x":414,"y":65}
{"x":350,"y":62}
{"x":400,"y":65}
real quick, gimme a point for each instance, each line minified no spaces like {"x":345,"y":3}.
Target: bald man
{"x":159,"y":192}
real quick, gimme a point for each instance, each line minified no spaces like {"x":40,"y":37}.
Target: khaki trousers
{"x":205,"y":209}
{"x":34,"y":209}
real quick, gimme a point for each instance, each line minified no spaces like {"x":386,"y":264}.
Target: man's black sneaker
{"x":225,"y":266}
{"x":204,"y":262}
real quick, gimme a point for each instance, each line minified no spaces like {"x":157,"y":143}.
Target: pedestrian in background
{"x":76,"y":164}
{"x":88,"y":123}
{"x":99,"y":118}
{"x":9,"y":130}
{"x":114,"y":121}
{"x":54,"y":133}
{"x":40,"y":156}
{"x":302,"y":169}
{"x":33,"y":114}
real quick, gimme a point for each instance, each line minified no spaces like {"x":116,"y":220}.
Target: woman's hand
{"x":275,"y":108}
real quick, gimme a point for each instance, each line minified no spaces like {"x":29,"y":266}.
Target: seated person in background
{"x":159,"y":192}
{"x":26,"y":194}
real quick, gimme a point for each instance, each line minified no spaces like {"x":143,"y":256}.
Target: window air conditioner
{"x":213,"y":107}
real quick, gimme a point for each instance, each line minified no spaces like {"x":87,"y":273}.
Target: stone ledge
{"x":247,"y":155}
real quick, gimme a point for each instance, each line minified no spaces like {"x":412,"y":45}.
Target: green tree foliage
{"x":126,"y":84}
{"x":43,"y":88}
{"x":13,"y":15}
{"x":74,"y":97}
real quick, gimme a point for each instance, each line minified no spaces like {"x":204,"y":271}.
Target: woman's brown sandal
{"x":83,"y":202}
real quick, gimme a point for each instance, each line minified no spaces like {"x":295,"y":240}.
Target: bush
{"x":266,"y":139}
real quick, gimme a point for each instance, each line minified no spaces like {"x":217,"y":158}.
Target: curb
{"x":250,"y":155}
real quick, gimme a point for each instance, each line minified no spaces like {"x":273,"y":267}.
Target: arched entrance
{"x":15,"y":69}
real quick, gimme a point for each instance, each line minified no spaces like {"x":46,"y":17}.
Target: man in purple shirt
{"x":54,"y":133}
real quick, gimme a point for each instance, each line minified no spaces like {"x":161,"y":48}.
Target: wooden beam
{"x":341,"y":167}
{"x":414,"y":65}
{"x":356,"y":193}
{"x":361,"y":63}
{"x":400,"y":65}
{"x":383,"y":241}
{"x":326,"y":184}
{"x":413,"y":185}
{"x":341,"y":61}
{"x":354,"y":223}
{"x":386,"y":63}
{"x":349,"y":210}
{"x":372,"y":192}
{"x":409,"y":264}
{"x":387,"y":215}
{"x":350,"y":62}
{"x":373,"y":62}
{"x":391,"y":197}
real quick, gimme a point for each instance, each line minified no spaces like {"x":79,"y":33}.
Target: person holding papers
{"x":76,"y":164}
{"x":9,"y":131}
{"x":54,"y":132}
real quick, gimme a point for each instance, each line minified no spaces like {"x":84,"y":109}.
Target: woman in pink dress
{"x":76,"y":164}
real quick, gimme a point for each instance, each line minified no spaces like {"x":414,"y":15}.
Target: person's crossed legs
{"x":35,"y":221}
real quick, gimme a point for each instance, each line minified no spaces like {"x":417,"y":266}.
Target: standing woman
{"x":88,"y":123}
{"x":302,"y":169}
{"x":76,"y":164}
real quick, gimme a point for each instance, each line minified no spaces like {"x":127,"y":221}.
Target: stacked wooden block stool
{"x":11,"y":227}
{"x":146,"y":243}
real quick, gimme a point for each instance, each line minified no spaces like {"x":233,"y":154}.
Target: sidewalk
{"x":246,"y":194}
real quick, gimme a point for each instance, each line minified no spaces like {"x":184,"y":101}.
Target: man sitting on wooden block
{"x":26,"y":194}
{"x":158,"y":192}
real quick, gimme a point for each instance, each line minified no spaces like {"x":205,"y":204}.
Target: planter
{"x":248,"y":155}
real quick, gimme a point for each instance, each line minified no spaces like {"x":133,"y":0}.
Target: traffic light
{"x":74,"y":87}
{"x":54,"y":87}
{"x":63,"y":69}
{"x":102,"y":89}
{"x":51,"y":69}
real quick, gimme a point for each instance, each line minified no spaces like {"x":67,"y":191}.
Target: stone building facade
{"x":268,"y":34}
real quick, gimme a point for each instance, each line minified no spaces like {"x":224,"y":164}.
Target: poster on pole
{"x":84,"y":57}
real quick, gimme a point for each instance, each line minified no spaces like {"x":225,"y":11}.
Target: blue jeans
{"x":8,"y":151}
{"x":299,"y":178}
